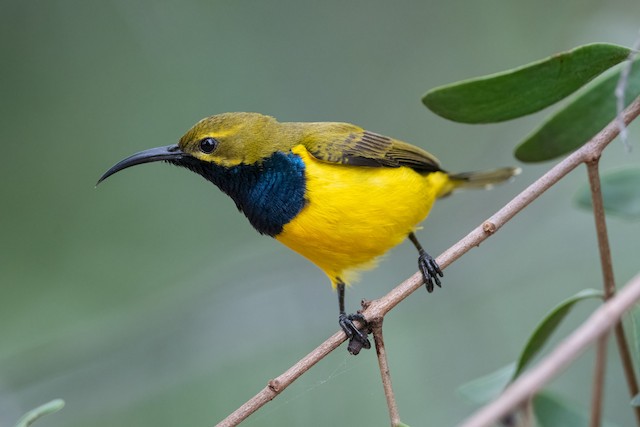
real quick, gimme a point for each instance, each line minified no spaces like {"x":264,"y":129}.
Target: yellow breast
{"x":355,"y":214}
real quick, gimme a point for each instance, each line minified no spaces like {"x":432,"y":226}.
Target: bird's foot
{"x":357,"y":338}
{"x":430,"y":270}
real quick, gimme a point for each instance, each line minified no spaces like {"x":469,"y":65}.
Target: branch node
{"x":489,"y":227}
{"x":375,"y":323}
{"x":275,"y":386}
{"x":592,"y":157}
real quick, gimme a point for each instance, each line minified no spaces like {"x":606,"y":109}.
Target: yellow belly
{"x":355,"y":214}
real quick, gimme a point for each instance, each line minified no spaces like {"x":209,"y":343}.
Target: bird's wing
{"x":350,"y":145}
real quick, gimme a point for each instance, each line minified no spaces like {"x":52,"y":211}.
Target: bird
{"x":337,"y":194}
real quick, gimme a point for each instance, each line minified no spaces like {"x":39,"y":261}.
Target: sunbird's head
{"x":227,"y":140}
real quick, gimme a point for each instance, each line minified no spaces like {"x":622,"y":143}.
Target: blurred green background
{"x":151,"y":301}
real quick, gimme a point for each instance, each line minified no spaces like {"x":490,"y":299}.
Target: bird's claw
{"x":357,"y":338}
{"x":430,"y":270}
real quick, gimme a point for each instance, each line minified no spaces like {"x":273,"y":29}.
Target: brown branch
{"x":377,"y":309}
{"x":598,"y":382}
{"x":277,"y":385}
{"x":601,"y":228}
{"x":608,"y":278}
{"x":596,"y":326}
{"x":609,"y":289}
{"x":383,"y":364}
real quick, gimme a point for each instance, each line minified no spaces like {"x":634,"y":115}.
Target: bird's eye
{"x":207,"y":145}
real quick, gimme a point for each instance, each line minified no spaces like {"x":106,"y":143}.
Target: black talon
{"x":430,"y":270}
{"x":357,"y":338}
{"x":428,"y":266}
{"x":355,"y":346}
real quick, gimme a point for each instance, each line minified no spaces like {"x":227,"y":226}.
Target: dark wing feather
{"x":413,"y":157}
{"x":350,"y":145}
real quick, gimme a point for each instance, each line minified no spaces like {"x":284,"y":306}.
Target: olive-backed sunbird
{"x":335,"y":193}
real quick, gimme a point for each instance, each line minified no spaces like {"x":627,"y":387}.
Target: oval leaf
{"x":523,"y":90}
{"x":484,"y":389}
{"x":42,"y":410}
{"x":548,"y":325}
{"x":552,"y":411}
{"x":620,"y":193}
{"x":579,"y":120}
{"x":488,"y":387}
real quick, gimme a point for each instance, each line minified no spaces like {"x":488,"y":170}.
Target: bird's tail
{"x":480,"y":179}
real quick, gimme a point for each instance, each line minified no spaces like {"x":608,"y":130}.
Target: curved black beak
{"x":170,"y":153}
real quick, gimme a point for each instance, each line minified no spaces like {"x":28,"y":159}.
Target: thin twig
{"x":601,"y":229}
{"x":597,"y":390}
{"x":598,"y":324}
{"x":608,"y":278}
{"x":277,"y":385}
{"x":381,"y":352}
{"x":378,"y":308}
{"x":627,"y":364}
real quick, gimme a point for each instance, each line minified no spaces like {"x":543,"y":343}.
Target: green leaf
{"x":488,"y":387}
{"x":42,"y":410}
{"x":573,"y":125}
{"x":553,"y":411}
{"x":545,"y":329}
{"x":632,"y":321}
{"x":620,"y":193}
{"x":523,"y":90}
{"x":484,"y":389}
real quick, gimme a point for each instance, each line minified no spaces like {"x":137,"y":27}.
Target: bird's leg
{"x":428,"y":266}
{"x":357,"y":338}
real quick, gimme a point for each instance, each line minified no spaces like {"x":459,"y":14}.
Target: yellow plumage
{"x":356,"y":214}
